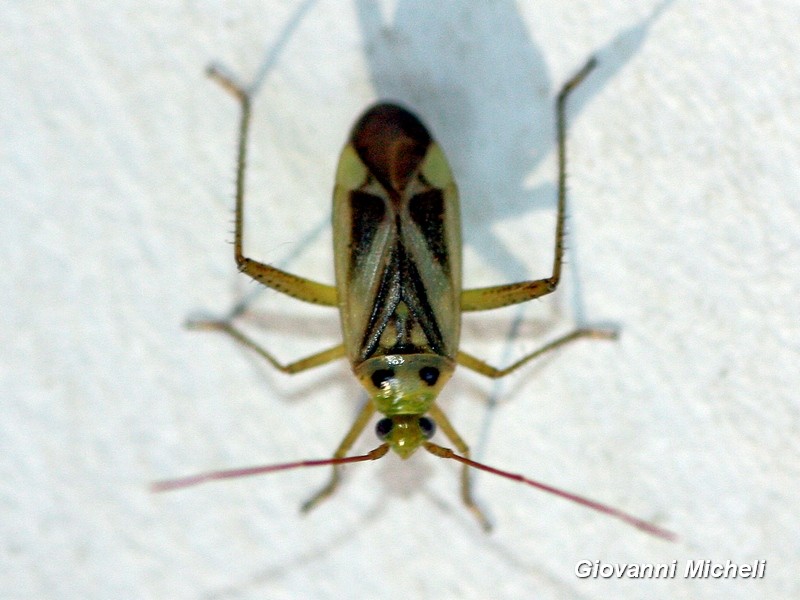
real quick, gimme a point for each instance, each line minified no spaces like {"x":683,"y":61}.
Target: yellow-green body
{"x":397,"y":248}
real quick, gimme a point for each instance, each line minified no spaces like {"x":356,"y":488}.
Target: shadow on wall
{"x":475,"y":76}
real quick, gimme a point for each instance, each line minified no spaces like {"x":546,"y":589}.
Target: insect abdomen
{"x":397,"y":237}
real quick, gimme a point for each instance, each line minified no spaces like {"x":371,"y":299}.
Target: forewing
{"x":396,"y":239}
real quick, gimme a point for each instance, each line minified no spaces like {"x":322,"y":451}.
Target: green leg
{"x":361,"y":422}
{"x":466,"y":488}
{"x":515,"y":293}
{"x":315,"y":360}
{"x":291,"y":285}
{"x":479,"y":366}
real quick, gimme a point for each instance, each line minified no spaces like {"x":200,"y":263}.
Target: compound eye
{"x":429,"y":375}
{"x":381,"y":376}
{"x":427,"y":427}
{"x":383,"y":428}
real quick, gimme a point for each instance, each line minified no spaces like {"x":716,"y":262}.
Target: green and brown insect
{"x":397,"y":249}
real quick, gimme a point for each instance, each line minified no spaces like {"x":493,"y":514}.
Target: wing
{"x":397,"y":239}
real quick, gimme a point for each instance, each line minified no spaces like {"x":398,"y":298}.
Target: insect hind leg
{"x":523,"y":291}
{"x":286,"y":283}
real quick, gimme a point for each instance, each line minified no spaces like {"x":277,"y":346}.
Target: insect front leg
{"x":466,"y":484}
{"x":352,"y":435}
{"x":475,"y":364}
{"x":515,"y":293}
{"x":287,"y":283}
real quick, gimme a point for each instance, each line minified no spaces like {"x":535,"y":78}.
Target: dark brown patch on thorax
{"x":392,"y":142}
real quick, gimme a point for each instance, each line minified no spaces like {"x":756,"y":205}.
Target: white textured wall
{"x":116,"y":166}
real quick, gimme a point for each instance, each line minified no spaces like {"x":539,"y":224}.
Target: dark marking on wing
{"x":367,"y":214}
{"x":401,"y":282}
{"x":392,"y":142}
{"x":385,"y":305}
{"x":426,"y":210}
{"x":416,"y":297}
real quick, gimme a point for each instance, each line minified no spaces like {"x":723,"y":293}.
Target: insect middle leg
{"x":466,"y":486}
{"x":475,"y":364}
{"x":514,"y":293}
{"x":309,"y":362}
{"x":287,"y":283}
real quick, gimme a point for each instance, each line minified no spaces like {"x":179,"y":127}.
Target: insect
{"x":397,"y":249}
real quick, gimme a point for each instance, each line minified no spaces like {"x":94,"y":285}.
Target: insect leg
{"x":466,"y":488}
{"x":309,"y":362}
{"x":287,"y":283}
{"x":360,"y":423}
{"x":479,"y":366}
{"x":514,"y":293}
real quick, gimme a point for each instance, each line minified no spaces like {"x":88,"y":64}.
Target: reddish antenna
{"x":184,"y":482}
{"x":441,"y":452}
{"x":597,"y":506}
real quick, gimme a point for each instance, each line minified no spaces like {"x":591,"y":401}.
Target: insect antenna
{"x":641,"y":524}
{"x":184,"y":482}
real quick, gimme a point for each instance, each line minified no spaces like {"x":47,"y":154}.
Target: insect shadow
{"x":475,"y":75}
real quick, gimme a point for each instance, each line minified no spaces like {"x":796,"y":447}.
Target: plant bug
{"x":397,"y":248}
